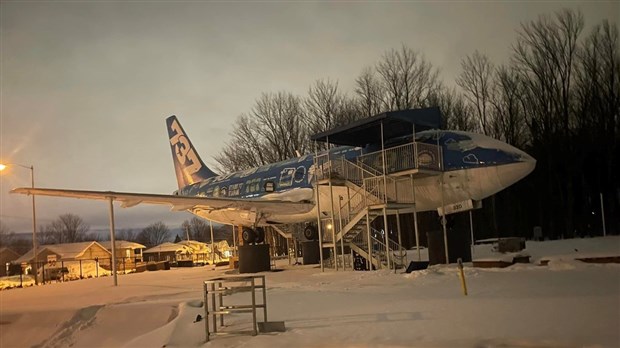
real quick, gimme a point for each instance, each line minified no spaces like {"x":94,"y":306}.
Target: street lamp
{"x":34,"y":218}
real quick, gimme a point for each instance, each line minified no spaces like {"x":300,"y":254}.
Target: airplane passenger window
{"x":270,"y":186}
{"x":252,"y":186}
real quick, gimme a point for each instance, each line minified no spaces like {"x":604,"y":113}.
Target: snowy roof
{"x":168,"y":247}
{"x":122,"y":244}
{"x":65,"y":251}
{"x":195,"y":245}
{"x":223,"y":245}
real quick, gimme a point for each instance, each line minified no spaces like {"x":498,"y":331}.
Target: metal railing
{"x":214,"y":291}
{"x":379,"y":250}
{"x":403,"y":157}
{"x":398,"y":255}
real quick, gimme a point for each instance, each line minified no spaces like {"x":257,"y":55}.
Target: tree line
{"x":557,"y":97}
{"x":71,"y":228}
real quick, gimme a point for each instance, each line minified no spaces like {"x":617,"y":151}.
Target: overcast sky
{"x":86,"y":86}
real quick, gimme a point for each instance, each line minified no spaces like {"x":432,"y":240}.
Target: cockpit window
{"x":286,"y":177}
{"x":300,"y":173}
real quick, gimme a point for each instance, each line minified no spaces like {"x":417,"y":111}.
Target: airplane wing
{"x":177,"y":203}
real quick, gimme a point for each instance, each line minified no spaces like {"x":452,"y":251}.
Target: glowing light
{"x":2,"y":167}
{"x":329,"y":226}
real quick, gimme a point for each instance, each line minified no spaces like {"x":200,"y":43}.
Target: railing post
{"x":369,"y":260}
{"x":400,"y":241}
{"x":387,"y":238}
{"x":318,"y":211}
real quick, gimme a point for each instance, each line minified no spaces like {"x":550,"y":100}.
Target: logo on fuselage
{"x":182,"y":148}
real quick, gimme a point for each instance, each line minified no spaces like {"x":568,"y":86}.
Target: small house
{"x":200,"y":251}
{"x":172,"y":252}
{"x":74,"y":260}
{"x":128,"y":254}
{"x":6,"y":257}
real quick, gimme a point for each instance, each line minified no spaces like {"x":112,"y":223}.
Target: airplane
{"x":475,"y":166}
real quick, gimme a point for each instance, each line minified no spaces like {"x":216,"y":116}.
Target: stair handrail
{"x":393,"y":247}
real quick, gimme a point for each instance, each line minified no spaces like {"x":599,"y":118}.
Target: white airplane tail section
{"x":188,"y":166}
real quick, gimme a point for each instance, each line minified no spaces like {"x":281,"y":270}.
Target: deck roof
{"x":395,"y":124}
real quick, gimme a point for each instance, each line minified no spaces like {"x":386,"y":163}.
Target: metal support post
{"x":112,"y":240}
{"x":331,"y":201}
{"x":35,"y":243}
{"x":387,"y":238}
{"x":318,"y":222}
{"x":400,"y":240}
{"x":444,"y":222}
{"x":369,"y":258}
{"x":212,"y":245}
{"x":340,"y":229}
{"x":471,"y":229}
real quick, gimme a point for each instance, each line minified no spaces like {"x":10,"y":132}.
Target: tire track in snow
{"x":63,"y":337}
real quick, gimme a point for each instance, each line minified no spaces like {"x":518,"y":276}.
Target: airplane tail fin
{"x":188,"y":166}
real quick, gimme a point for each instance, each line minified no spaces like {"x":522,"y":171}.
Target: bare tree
{"x":198,"y":229}
{"x":67,"y":228}
{"x":6,"y":235}
{"x":127,"y":234}
{"x":598,"y":116}
{"x":273,"y":131}
{"x":407,"y":79}
{"x":327,"y":107}
{"x":10,"y":239}
{"x":476,"y":82}
{"x":244,"y":151}
{"x":368,"y":90}
{"x":154,"y":234}
{"x":544,"y":57}
{"x":508,"y":108}
{"x":455,"y":111}
{"x":279,"y":120}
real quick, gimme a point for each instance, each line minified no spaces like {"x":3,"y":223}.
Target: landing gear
{"x":253,"y":236}
{"x":311,"y":233}
{"x":248,"y":235}
{"x":260,"y":235}
{"x":253,"y":257}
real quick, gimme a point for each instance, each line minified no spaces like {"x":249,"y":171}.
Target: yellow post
{"x":463,"y":284}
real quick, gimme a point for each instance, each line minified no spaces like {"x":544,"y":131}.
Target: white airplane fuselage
{"x":475,"y":167}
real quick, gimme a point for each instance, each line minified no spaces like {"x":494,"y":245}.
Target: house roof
{"x":66,"y":251}
{"x":122,"y":244}
{"x":7,"y":251}
{"x":223,"y":245}
{"x":169,"y":247}
{"x":195,"y":245}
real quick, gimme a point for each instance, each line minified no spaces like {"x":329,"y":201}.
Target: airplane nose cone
{"x":509,"y":174}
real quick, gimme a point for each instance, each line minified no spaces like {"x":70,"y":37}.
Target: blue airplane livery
{"x":433,"y":169}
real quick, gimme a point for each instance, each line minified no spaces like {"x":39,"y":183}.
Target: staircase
{"x":379,"y":256}
{"x":368,"y":197}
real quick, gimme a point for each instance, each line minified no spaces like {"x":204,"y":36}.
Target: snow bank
{"x":566,"y":304}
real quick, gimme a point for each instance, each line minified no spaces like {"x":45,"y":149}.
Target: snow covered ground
{"x":565,"y":304}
